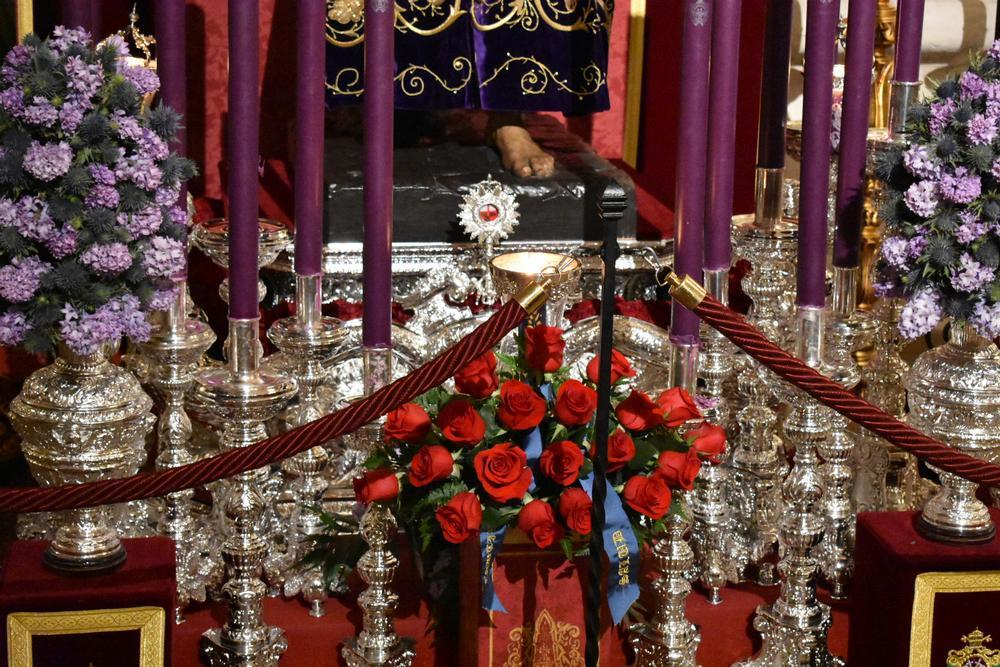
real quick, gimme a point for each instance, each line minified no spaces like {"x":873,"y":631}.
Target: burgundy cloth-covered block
{"x":146,"y":579}
{"x":888,"y":558}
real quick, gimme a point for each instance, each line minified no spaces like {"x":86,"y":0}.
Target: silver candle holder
{"x":212,"y":238}
{"x":174,"y":351}
{"x":377,"y":644}
{"x":245,"y":397}
{"x":795,"y":627}
{"x":717,"y":364}
{"x":668,"y":638}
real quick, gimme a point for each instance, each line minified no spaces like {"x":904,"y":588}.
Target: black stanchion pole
{"x":612,"y":210}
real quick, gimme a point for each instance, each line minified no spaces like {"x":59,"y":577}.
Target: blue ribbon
{"x":622,"y":548}
{"x":533,"y":441}
{"x":489,"y":548}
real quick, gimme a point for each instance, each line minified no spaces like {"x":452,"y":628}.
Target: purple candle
{"x":774,"y":85}
{"x":722,"y":134}
{"x":821,"y":50}
{"x":909,"y":32}
{"x":170,"y":66}
{"x":689,"y":218}
{"x":309,"y":108}
{"x":854,"y":133}
{"x":242,"y":151}
{"x":380,"y":69}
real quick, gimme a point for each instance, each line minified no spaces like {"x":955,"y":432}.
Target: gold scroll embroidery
{"x":544,"y":643}
{"x":925,"y":588}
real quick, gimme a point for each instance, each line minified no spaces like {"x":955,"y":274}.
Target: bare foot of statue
{"x":520,"y":154}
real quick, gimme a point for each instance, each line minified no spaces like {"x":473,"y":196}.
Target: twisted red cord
{"x":748,"y":338}
{"x":271,"y":450}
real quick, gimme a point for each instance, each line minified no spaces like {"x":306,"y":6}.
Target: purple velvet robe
{"x":502,"y":55}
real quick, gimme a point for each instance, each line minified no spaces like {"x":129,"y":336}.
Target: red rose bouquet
{"x":512,"y":445}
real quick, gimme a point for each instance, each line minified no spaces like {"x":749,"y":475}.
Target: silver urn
{"x":83,"y":419}
{"x":954,"y":395}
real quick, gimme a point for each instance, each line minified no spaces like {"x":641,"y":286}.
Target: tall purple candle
{"x":722,"y":134}
{"x":378,"y":131}
{"x":242,"y":151}
{"x":821,"y":50}
{"x":170,"y":66}
{"x":774,"y":85}
{"x":309,"y":107}
{"x":692,"y":146}
{"x":854,"y":133}
{"x":909,"y":33}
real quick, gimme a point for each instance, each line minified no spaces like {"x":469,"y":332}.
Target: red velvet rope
{"x":748,"y":338}
{"x":271,"y":450}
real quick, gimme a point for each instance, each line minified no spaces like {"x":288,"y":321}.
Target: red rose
{"x":678,"y":469}
{"x":407,"y":423}
{"x":376,"y":486}
{"x":521,"y":407}
{"x":561,"y":462}
{"x":503,"y":471}
{"x":539,"y":522}
{"x":575,"y":403}
{"x":478,"y":378}
{"x":621,"y":450}
{"x":431,"y":463}
{"x":460,"y":517}
{"x":575,"y":506}
{"x":708,"y":440}
{"x":460,"y":423}
{"x":678,"y":407}
{"x":620,"y":367}
{"x":647,"y":495}
{"x":638,"y":412}
{"x":543,"y":348}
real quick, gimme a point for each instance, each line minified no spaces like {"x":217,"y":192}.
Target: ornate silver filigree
{"x":83,"y":419}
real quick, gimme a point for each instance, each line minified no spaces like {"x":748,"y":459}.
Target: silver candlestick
{"x":245,"y":397}
{"x":174,"y":351}
{"x":794,"y":628}
{"x":212,"y":238}
{"x":711,"y":531}
{"x":377,"y":644}
{"x":669,"y":638}
{"x":718,"y":357}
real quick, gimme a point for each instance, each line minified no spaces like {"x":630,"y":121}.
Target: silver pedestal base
{"x":264,"y":650}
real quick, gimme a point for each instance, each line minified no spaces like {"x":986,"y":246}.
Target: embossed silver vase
{"x":83,"y":419}
{"x":954,"y":396}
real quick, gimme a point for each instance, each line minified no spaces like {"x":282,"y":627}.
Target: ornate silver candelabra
{"x":377,"y":643}
{"x":174,"y":351}
{"x":794,"y":628}
{"x":245,"y":397}
{"x":717,"y":364}
{"x":669,"y":638}
{"x":711,"y":535}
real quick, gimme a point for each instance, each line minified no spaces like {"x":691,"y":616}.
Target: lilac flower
{"x":163,"y":298}
{"x":919,"y":162}
{"x":102,"y":174}
{"x":84,"y":333}
{"x":70,"y":117}
{"x":126,"y":126}
{"x":960,"y":187}
{"x":972,"y":85}
{"x":941,"y":113}
{"x":12,"y":101}
{"x":135,"y":324}
{"x":102,"y":195}
{"x":142,"y":223}
{"x":13,"y":326}
{"x":117,"y":43}
{"x":107,"y":258}
{"x":63,"y":38}
{"x":46,"y":162}
{"x":971,"y":228}
{"x":179,"y":216}
{"x":40,"y":112}
{"x":994,"y":50}
{"x":152,"y":145}
{"x":33,"y":220}
{"x":63,"y":244}
{"x":915,"y":247}
{"x":145,"y":80}
{"x":20,"y":279}
{"x":922,"y":198}
{"x":8,"y":212}
{"x":986,"y":319}
{"x":83,"y":78}
{"x":972,"y":275}
{"x":895,"y":251}
{"x":164,"y":257}
{"x":167,"y":196}
{"x":921,"y":314}
{"x":14,"y":62}
{"x":140,"y":170}
{"x":982,"y":129}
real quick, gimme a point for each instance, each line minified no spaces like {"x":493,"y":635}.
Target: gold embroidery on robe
{"x":544,"y":643}
{"x":975,"y":653}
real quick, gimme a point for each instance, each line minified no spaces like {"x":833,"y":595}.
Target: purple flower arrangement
{"x":91,"y":227}
{"x":942,"y":205}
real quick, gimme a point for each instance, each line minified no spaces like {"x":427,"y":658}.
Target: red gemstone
{"x":489,"y":213}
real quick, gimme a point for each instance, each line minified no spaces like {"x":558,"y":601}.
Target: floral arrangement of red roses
{"x":510,"y":444}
